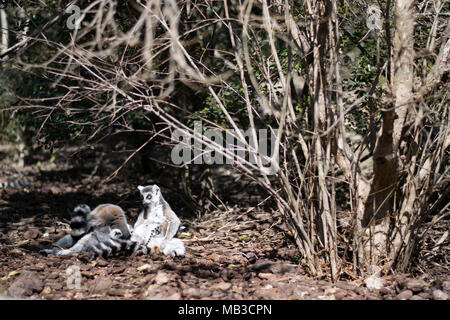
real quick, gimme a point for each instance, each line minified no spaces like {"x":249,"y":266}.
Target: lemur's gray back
{"x":109,"y":215}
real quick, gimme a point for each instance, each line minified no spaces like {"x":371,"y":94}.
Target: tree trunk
{"x":391,"y":143}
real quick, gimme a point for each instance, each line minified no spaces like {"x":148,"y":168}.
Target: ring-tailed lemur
{"x":100,"y":231}
{"x":156,"y":225}
{"x":23,"y":182}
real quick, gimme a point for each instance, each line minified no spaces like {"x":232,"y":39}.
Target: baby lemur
{"x":100,"y":231}
{"x":157,"y":224}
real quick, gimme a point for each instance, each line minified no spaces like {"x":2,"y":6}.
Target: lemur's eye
{"x":149,"y":196}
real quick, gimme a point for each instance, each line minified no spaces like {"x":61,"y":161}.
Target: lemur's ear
{"x":140,"y":188}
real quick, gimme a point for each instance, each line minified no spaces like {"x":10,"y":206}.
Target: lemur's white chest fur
{"x":156,"y":214}
{"x":149,"y":227}
{"x":145,"y":232}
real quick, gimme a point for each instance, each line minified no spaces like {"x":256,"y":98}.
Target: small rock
{"x":286,"y":289}
{"x":404,"y":295}
{"x":446,"y":285}
{"x":424,"y":295}
{"x":31,"y":234}
{"x":102,"y":284}
{"x":102,"y":262}
{"x":148,"y":268}
{"x":362,"y":291}
{"x":299,"y":293}
{"x":151,"y":291}
{"x":340,"y":295}
{"x":267,"y":276}
{"x":214,"y":257}
{"x":57,"y":286}
{"x":202,"y":273}
{"x":116,"y":292}
{"x":386,"y":291}
{"x":323,"y":283}
{"x":224,"y":286}
{"x":440,"y":295}
{"x":37,"y":267}
{"x":27,"y":284}
{"x":373,"y":282}
{"x":174,"y":296}
{"x":53,"y":275}
{"x":55,"y":190}
{"x":267,"y":294}
{"x":85,"y":267}
{"x":356,"y":297}
{"x":271,"y":284}
{"x":161,"y":278}
{"x":416,"y":297}
{"x":330,"y":291}
{"x":118,"y":269}
{"x":414,"y":285}
{"x":345,"y":285}
{"x":196,"y":293}
{"x":160,"y":296}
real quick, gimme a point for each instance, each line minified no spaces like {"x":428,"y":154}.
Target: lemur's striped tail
{"x":15,"y":183}
{"x":78,"y":221}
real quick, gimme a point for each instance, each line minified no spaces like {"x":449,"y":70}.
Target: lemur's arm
{"x":139,"y":220}
{"x":173,"y":223}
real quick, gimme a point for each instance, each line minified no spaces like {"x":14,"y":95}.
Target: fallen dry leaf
{"x":12,"y":273}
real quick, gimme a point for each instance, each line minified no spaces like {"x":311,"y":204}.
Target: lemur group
{"x":105,"y":231}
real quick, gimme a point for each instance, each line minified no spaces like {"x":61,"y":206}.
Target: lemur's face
{"x":150,"y":193}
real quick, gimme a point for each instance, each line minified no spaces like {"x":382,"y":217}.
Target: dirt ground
{"x":232,"y":252}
